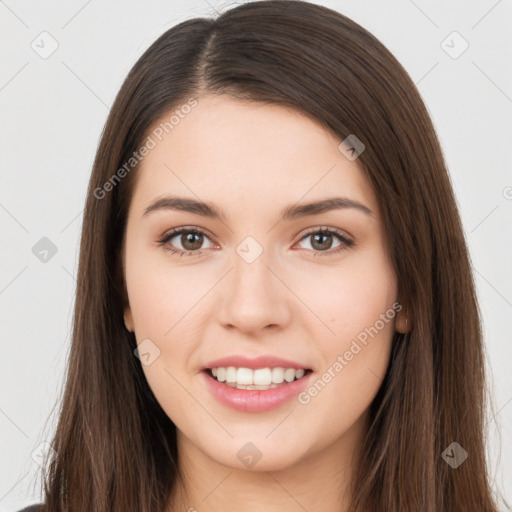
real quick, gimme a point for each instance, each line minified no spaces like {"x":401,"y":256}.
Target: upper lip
{"x":265,"y":361}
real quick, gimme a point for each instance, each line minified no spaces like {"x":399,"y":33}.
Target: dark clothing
{"x":32,"y":508}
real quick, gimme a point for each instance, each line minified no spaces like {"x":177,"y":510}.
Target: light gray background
{"x":53,"y":111}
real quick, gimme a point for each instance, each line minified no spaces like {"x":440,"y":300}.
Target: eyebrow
{"x":292,"y":212}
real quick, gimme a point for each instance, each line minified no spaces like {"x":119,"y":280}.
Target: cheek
{"x":351,"y":297}
{"x":349,"y":380}
{"x":358,"y":304}
{"x":162,"y":310}
{"x":340,"y":397}
{"x":162,"y":297}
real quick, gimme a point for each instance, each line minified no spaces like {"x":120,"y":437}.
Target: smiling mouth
{"x":260,"y":379}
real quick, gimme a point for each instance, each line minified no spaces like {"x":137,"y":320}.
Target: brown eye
{"x":185,"y":241}
{"x":322,"y":241}
{"x":192,"y":241}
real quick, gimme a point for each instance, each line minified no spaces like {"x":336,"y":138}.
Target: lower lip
{"x":255,"y":400}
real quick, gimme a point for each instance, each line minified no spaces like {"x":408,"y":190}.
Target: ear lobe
{"x":128,"y":319}
{"x":403,"y":322}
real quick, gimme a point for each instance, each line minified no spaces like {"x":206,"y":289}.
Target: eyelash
{"x":346,"y":243}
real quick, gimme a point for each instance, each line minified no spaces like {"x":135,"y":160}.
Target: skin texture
{"x":294,"y":301}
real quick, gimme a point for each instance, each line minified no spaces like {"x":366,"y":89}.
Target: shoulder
{"x":32,"y":508}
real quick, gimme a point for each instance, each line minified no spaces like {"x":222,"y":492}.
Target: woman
{"x":275,"y":306}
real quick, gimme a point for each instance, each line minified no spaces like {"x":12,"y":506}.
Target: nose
{"x":253,"y":298}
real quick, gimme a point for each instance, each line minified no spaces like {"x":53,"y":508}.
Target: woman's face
{"x":255,"y":274}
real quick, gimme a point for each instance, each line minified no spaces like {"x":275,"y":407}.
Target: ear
{"x":128,"y":319}
{"x":403,"y":322}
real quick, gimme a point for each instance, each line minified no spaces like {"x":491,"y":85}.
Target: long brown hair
{"x":115,"y":446}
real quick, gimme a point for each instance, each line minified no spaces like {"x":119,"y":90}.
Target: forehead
{"x":247,"y":155}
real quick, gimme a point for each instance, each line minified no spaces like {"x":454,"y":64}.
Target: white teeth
{"x":245,"y":376}
{"x":277,"y":375}
{"x":261,"y":378}
{"x":231,"y":374}
{"x":221,"y":374}
{"x":289,"y":374}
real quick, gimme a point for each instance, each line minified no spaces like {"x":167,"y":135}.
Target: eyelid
{"x":171,"y":233}
{"x":346,"y":240}
{"x":328,"y":229}
{"x":176,"y":231}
